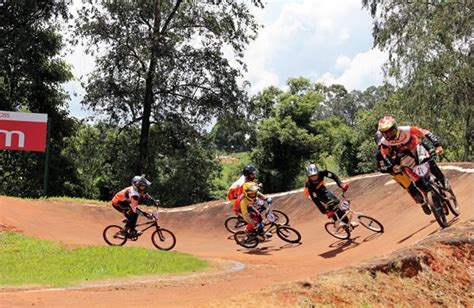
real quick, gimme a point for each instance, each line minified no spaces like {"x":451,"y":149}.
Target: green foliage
{"x":31,"y":74}
{"x":285,"y":140}
{"x":25,"y":260}
{"x":430,"y":56}
{"x":165,"y":59}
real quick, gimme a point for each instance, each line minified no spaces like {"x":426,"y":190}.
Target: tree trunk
{"x":142,"y":163}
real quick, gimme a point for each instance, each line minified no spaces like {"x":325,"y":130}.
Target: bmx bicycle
{"x":341,"y":230}
{"x":237,"y":223}
{"x":441,"y":199}
{"x":161,"y":238}
{"x":253,"y":238}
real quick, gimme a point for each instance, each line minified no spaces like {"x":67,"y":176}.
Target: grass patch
{"x":25,"y":260}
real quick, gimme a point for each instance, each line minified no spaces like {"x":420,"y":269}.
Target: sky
{"x":328,"y":41}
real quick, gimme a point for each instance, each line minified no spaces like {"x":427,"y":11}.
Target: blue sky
{"x":327,"y":41}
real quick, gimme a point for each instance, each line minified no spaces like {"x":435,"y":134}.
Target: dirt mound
{"x":199,"y":230}
{"x":433,"y":272}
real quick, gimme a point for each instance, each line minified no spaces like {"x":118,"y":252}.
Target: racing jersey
{"x":235,"y":189}
{"x":128,"y":196}
{"x":316,"y":188}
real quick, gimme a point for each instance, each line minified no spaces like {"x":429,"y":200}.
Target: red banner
{"x":23,"y":131}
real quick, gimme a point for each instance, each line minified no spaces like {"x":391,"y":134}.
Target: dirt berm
{"x":426,"y":274}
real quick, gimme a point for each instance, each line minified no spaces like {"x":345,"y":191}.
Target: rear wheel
{"x":234,"y":224}
{"x":113,"y":235}
{"x":437,"y":207}
{"x":280,"y":217}
{"x":163,"y":239}
{"x":370,"y":223}
{"x":288,"y":234}
{"x":338,"y":232}
{"x":245,"y":240}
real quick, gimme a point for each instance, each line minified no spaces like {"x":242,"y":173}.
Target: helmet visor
{"x":251,"y":194}
{"x":390,"y":134}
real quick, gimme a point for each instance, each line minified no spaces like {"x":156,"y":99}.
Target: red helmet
{"x":389,"y":128}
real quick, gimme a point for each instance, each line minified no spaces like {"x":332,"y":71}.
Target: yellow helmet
{"x":250,"y":190}
{"x":388,"y":127}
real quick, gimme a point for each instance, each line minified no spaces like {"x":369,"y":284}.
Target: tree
{"x":163,"y":59}
{"x":285,"y":140}
{"x":430,"y":56}
{"x":31,"y":74}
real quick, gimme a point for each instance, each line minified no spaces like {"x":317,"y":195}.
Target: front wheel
{"x":370,"y":223}
{"x":288,"y":234}
{"x":245,"y":240}
{"x":451,"y":201}
{"x":163,"y":239}
{"x":280,"y":217}
{"x":437,"y":207}
{"x":114,"y":236}
{"x":234,"y":224}
{"x":340,"y":232}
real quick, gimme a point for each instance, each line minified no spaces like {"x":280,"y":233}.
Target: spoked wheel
{"x":438,"y":208}
{"x":163,"y":239}
{"x":341,"y":233}
{"x":288,"y":234}
{"x":370,"y":223}
{"x":234,"y":224}
{"x":280,"y":217}
{"x":245,"y":240}
{"x":451,"y":202}
{"x":113,"y":236}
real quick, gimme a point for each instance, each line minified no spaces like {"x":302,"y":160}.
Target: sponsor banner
{"x":23,"y":131}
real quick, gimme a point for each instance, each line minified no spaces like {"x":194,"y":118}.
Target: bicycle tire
{"x":244,"y":240}
{"x":437,"y":207}
{"x":452,"y":202}
{"x":286,"y":233}
{"x":234,"y":224}
{"x":160,"y":236}
{"x":371,"y":223}
{"x":341,"y":233}
{"x":280,"y":217}
{"x":112,"y":237}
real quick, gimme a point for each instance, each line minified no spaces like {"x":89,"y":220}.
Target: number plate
{"x":344,"y":205}
{"x":271,"y":217}
{"x":421,"y":170}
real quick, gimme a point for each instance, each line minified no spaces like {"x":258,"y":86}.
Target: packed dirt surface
{"x":199,"y":230}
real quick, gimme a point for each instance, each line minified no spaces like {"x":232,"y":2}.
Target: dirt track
{"x":199,"y":230}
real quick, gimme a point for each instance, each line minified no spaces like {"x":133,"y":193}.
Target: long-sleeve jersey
{"x":409,"y":138}
{"x":313,"y":189}
{"x":235,"y":189}
{"x":129,"y":196}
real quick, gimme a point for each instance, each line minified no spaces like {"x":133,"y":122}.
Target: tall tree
{"x":160,"y":59}
{"x":430,"y":55}
{"x":31,"y":74}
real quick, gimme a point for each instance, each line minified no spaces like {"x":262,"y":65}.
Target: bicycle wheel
{"x":288,"y":234}
{"x":234,"y":224}
{"x":113,"y":236}
{"x":280,"y":217}
{"x":163,"y":239}
{"x":451,"y":202}
{"x":245,"y":240}
{"x":437,"y":207}
{"x":370,"y":223}
{"x":340,"y":233}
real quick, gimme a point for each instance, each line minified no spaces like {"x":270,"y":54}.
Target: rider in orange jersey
{"x":126,"y":202}
{"x":405,"y":140}
{"x":402,"y":178}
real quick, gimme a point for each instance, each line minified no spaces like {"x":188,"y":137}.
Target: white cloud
{"x":362,"y":71}
{"x":299,"y":31}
